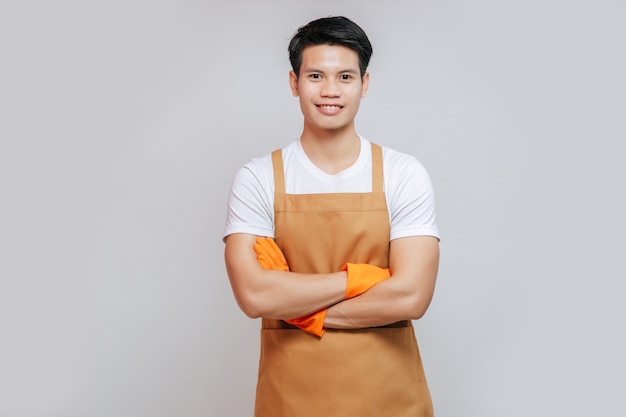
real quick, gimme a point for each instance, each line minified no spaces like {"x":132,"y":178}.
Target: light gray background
{"x":122,"y":123}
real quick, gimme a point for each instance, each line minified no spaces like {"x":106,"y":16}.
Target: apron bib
{"x":372,"y":372}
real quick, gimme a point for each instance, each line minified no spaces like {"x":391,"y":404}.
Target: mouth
{"x":329,"y":106}
{"x":329,"y":109}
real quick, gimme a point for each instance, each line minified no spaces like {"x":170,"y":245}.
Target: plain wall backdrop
{"x":123,"y":122}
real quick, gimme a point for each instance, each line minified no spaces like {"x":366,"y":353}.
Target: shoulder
{"x":403,"y":166}
{"x":399,"y":159}
{"x":257,"y":169}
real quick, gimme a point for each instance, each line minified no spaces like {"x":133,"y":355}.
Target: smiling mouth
{"x":329,"y":106}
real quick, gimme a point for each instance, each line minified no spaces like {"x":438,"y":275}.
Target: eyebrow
{"x":349,"y":71}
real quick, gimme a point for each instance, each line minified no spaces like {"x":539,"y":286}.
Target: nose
{"x":330,"y":88}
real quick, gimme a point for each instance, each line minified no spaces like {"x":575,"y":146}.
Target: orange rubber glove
{"x":269,"y":254}
{"x":271,"y":257}
{"x":362,"y":277}
{"x":312,"y":323}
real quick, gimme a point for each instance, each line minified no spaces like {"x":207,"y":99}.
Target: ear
{"x":365,"y":84}
{"x":293,"y":83}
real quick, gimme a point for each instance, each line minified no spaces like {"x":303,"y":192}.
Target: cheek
{"x":307,"y":90}
{"x":357,"y":93}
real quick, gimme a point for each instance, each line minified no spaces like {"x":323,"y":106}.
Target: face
{"x":330,"y":87}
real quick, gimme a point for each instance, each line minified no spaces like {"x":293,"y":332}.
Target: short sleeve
{"x":251,"y":200}
{"x":410,"y":196}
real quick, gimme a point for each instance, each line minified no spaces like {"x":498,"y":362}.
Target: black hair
{"x":334,"y":30}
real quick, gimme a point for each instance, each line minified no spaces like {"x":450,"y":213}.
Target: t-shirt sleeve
{"x":251,"y":200}
{"x":411,"y":198}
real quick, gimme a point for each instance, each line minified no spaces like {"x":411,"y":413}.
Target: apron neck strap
{"x":377,"y":169}
{"x":279,"y":173}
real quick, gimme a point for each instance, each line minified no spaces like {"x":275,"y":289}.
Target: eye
{"x":315,"y":76}
{"x":346,"y":77}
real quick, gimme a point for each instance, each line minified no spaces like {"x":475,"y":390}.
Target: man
{"x":332,"y":240}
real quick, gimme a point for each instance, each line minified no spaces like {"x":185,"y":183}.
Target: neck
{"x":331,"y":151}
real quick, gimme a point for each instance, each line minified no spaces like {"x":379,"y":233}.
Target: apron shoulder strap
{"x":377,"y":168}
{"x":279,"y":172}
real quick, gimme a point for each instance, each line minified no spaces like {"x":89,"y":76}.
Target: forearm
{"x":287,"y":295}
{"x":387,"y":302}
{"x":275,"y":293}
{"x":405,"y":296}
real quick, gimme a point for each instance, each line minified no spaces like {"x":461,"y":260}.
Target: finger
{"x":264,"y":262}
{"x":259,"y":248}
{"x":275,"y":252}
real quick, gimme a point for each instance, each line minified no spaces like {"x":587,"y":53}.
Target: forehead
{"x":331,"y":57}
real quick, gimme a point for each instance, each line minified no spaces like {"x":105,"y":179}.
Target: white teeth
{"x":330,"y":107}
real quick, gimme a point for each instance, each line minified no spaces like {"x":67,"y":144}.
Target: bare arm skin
{"x":277,"y":294}
{"x":414,"y":263}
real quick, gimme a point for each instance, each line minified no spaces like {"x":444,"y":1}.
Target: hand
{"x":312,"y":323}
{"x":362,"y":277}
{"x":271,"y":257}
{"x":269,"y":254}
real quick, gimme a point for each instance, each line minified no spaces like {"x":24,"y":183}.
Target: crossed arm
{"x":285,"y":295}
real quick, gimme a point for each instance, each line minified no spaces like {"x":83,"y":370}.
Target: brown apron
{"x":373,"y":372}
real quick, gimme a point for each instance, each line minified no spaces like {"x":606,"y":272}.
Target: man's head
{"x":337,"y":30}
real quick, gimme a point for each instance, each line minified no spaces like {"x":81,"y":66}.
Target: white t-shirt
{"x":407,"y":186}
